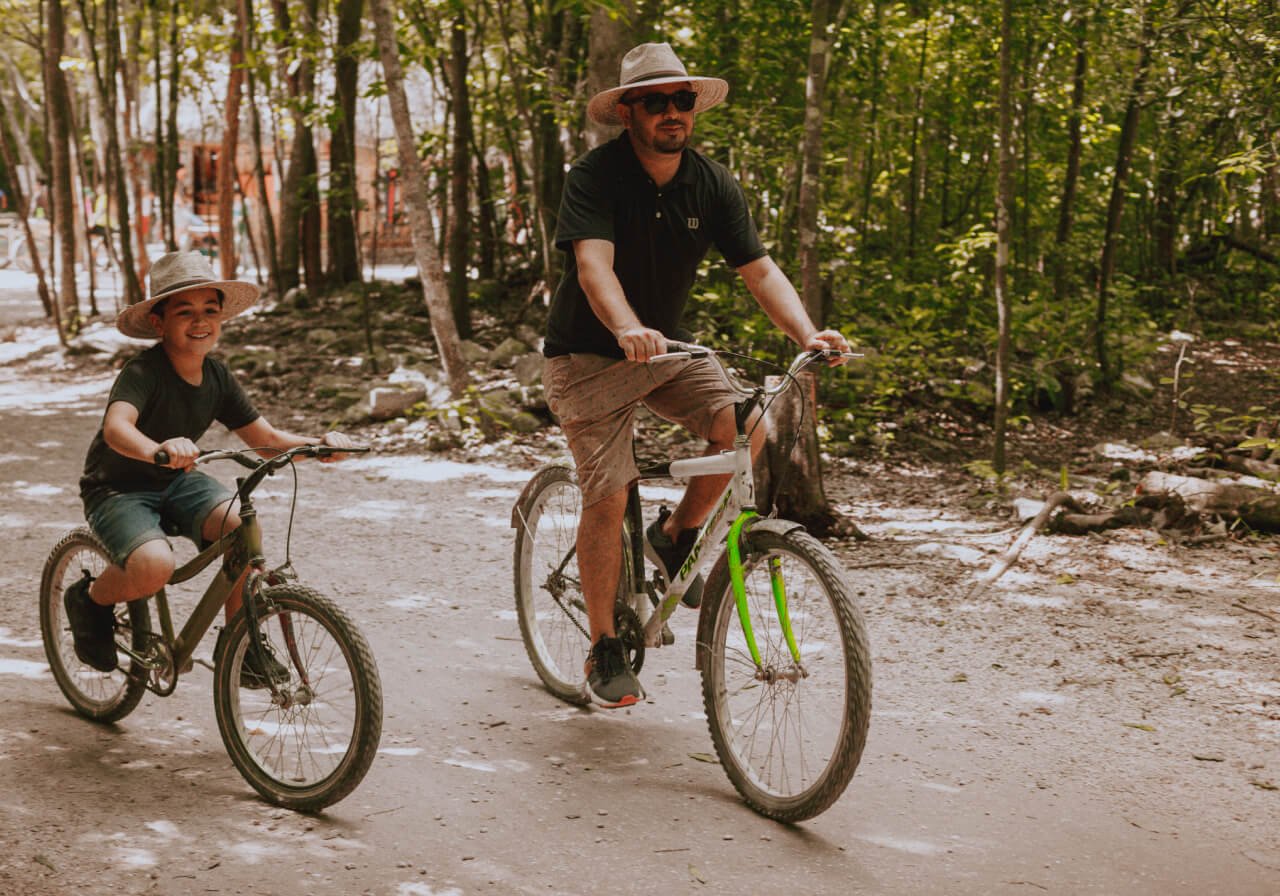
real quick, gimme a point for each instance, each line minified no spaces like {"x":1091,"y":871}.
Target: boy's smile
{"x":190,"y":322}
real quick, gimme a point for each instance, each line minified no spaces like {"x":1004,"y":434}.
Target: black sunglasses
{"x":656,"y":103}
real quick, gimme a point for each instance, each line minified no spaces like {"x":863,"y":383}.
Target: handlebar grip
{"x":161,"y":458}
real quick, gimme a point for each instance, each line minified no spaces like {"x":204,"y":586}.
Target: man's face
{"x":191,"y":321}
{"x":667,"y":132}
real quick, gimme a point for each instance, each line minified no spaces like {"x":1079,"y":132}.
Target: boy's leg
{"x":129,"y":527}
{"x":218,"y":522}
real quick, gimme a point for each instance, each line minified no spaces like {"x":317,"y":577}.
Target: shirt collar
{"x":684,"y":174}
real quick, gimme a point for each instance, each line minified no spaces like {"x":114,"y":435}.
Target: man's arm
{"x":609,"y":302}
{"x":779,"y":299}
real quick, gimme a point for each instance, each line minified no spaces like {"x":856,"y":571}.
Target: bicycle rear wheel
{"x":100,"y":696}
{"x":789,"y":736}
{"x":549,"y":602}
{"x":308,"y":742}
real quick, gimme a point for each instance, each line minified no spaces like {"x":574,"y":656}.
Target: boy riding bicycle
{"x":164,"y":399}
{"x":637,"y":217}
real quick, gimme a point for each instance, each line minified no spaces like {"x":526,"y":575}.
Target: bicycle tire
{"x":789,"y":746}
{"x":100,"y":696}
{"x":316,"y":747}
{"x":549,"y":603}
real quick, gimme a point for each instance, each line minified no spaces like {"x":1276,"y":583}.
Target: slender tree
{"x":434,"y":290}
{"x":63,"y":177}
{"x":1004,"y":201}
{"x":228,"y":179}
{"x":343,"y":197}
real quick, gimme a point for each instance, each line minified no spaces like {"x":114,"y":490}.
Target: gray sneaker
{"x":610,"y":681}
{"x":670,"y":555}
{"x":261,"y":670}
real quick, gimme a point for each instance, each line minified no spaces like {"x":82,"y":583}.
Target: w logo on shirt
{"x":692,"y":222}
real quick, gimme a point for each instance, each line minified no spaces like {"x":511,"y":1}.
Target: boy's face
{"x":191,"y":322}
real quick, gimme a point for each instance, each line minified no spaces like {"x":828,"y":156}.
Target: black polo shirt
{"x":659,"y":238}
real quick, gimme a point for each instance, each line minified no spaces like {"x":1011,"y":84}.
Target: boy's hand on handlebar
{"x":335,"y":440}
{"x":179,"y":454}
{"x":832,"y":341}
{"x":641,"y":343}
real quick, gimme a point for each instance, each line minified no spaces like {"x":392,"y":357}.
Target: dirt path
{"x":1105,"y":719}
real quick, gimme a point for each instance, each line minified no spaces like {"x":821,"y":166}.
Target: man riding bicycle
{"x":637,"y":217}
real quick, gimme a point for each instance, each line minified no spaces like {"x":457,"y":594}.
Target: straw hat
{"x":650,"y":64}
{"x":178,"y":272}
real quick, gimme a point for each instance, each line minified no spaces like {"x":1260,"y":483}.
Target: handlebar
{"x":161,"y":457}
{"x":685,"y":350}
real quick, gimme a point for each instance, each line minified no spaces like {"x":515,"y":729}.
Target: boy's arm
{"x":120,"y":430}
{"x":267,"y":440}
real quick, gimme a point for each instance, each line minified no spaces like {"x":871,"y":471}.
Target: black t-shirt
{"x":659,"y":237}
{"x":168,"y":407}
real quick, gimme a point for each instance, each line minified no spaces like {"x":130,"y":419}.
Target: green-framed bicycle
{"x":305,"y":733}
{"x":781,"y":644}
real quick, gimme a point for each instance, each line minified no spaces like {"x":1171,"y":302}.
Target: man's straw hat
{"x":650,"y":64}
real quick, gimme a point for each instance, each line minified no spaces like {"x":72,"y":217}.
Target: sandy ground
{"x":1104,"y":719}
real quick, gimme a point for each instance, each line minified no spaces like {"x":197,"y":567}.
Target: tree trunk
{"x":801,"y":492}
{"x":1071,"y":178}
{"x":417,"y":204}
{"x":1124,"y":158}
{"x":131,"y":77}
{"x":24,"y":214}
{"x":63,"y":205}
{"x":267,"y":217}
{"x":1004,"y":201}
{"x":612,"y":31}
{"x":917,"y":163}
{"x":228,"y":178}
{"x":343,"y":199}
{"x":116,"y":181}
{"x":290,"y":186}
{"x":172,"y":144}
{"x":459,"y":178}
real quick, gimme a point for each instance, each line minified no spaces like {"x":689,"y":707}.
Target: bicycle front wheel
{"x":100,"y":696}
{"x":549,"y":602}
{"x":307,"y":741}
{"x":788,"y":734}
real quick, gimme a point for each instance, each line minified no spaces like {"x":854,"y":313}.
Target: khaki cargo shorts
{"x":596,"y":397}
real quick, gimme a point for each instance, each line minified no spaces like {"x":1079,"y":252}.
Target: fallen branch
{"x":1259,"y":508}
{"x":1263,"y":613}
{"x":1037,"y":523}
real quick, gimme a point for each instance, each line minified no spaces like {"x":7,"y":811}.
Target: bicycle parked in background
{"x":781,"y":644}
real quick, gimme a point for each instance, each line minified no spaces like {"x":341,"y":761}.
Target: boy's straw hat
{"x":654,"y":64}
{"x":177,"y":272}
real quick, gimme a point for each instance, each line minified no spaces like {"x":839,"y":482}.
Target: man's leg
{"x":702,"y":492}
{"x":600,"y":561}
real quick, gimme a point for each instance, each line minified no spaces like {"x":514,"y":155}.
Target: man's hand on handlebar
{"x":832,"y":341}
{"x":178,"y":454}
{"x":641,"y":343}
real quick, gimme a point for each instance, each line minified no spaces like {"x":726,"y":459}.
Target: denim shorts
{"x":126,"y":520}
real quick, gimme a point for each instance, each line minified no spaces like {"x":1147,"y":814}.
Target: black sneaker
{"x":610,"y":681}
{"x":261,"y":669}
{"x":670,"y":555}
{"x":93,"y":626}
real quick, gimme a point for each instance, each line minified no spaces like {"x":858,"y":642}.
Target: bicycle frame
{"x":244,"y":547}
{"x":733,"y":512}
